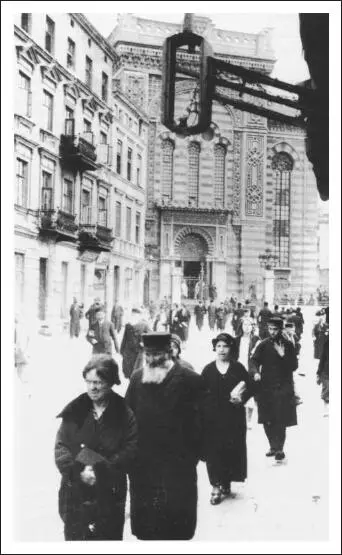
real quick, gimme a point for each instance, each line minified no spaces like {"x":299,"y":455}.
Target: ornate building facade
{"x":80,"y":171}
{"x":214,"y":205}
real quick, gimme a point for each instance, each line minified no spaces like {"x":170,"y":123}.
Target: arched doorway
{"x":196,"y":272}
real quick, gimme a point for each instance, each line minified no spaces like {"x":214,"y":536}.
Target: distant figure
{"x":213,"y":292}
{"x":184,"y":289}
{"x":131,"y":346}
{"x":21,"y":343}
{"x":237,"y":315}
{"x":100,"y":336}
{"x":183,"y":316}
{"x":264,"y":315}
{"x":200,"y":311}
{"x":76,"y":313}
{"x":161,"y":321}
{"x":117,"y":316}
{"x":91,"y":312}
{"x":311,"y":300}
{"x":323,"y":373}
{"x":212,"y":315}
{"x":221,"y":317}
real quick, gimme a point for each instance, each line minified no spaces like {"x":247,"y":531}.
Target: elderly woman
{"x":95,"y":446}
{"x":225,"y":418}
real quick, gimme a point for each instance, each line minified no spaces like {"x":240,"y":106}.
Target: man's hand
{"x":280,"y":349}
{"x":257,"y":377}
{"x":88,"y":476}
{"x":235,"y":400}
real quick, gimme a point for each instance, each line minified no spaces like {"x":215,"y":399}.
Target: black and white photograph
{"x":176,"y":247}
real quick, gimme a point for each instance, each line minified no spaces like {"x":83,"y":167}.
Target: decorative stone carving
{"x":254,"y":184}
{"x":135,"y":89}
{"x":194,"y":231}
{"x":237,"y":173}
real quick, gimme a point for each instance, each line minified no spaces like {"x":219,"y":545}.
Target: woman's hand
{"x":88,"y":476}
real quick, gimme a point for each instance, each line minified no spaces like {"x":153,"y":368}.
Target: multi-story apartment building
{"x":213,"y":206}
{"x":80,"y":171}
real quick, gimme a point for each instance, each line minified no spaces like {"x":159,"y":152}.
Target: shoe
{"x":216,"y":496}
{"x":225,"y":491}
{"x":279,"y":456}
{"x":270,"y":453}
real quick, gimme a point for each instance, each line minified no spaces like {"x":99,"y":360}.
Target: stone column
{"x":269,"y":286}
{"x":176,"y":277}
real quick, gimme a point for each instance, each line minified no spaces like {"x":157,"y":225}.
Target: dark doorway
{"x":42,"y":288}
{"x":116,"y":283}
{"x":191,"y":275}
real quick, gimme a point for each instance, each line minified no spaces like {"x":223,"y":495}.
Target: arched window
{"x":167,"y":168}
{"x":282,"y":165}
{"x":220,"y":164}
{"x":194,"y":153}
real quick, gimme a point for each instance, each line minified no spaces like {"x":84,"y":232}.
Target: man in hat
{"x":102,"y":333}
{"x":276,"y":360}
{"x":264,"y":315}
{"x":131,"y":345}
{"x":91,"y":312}
{"x":200,"y":311}
{"x":237,"y":315}
{"x":165,"y":398}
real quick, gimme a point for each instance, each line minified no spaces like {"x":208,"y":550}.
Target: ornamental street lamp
{"x":268,"y":260}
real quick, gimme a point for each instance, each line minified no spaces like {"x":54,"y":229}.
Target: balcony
{"x":94,"y":236}
{"x":58,"y":225}
{"x":77,"y":151}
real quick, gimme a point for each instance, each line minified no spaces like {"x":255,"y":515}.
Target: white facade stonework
{"x":221,"y":192}
{"x":69,"y":238}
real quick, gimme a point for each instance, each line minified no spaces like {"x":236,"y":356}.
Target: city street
{"x":279,"y":501}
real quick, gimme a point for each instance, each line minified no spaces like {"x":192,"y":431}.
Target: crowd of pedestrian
{"x":173,"y":416}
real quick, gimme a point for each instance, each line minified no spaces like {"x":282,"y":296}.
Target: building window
{"x":21,"y":183}
{"x":85,"y":207}
{"x":19,"y":278}
{"x":139,"y":163}
{"x":102,"y":211}
{"x":220,"y":157}
{"x":103,"y":138}
{"x":50,"y":35}
{"x":137,"y":227}
{"x":26,"y":22}
{"x":86,"y":126}
{"x":68,"y":196}
{"x":128,"y":224}
{"x":47,"y":191}
{"x":71,"y":54}
{"x":118,"y":219}
{"x":282,"y":165}
{"x":129,"y":163}
{"x":194,"y":157}
{"x":25,"y":91}
{"x":104,"y":89}
{"x":118,"y":156}
{"x":48,"y":109}
{"x":88,"y":71}
{"x":167,"y":168}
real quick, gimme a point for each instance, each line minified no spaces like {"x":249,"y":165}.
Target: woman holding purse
{"x":95,"y":447}
{"x":228,"y":386}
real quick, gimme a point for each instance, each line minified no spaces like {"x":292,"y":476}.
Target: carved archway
{"x":283,"y":146}
{"x":205,"y":237}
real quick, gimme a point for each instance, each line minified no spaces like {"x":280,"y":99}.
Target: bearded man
{"x":166,"y":399}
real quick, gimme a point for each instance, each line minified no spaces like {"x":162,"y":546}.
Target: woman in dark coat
{"x":95,"y":446}
{"x":182,"y":331}
{"x":225,"y":418}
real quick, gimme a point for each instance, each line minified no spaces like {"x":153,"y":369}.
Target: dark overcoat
{"x":114,"y":437}
{"x":131,"y":347}
{"x":164,"y":479}
{"x":104,"y":333}
{"x":200,"y":311}
{"x":221,"y":317}
{"x":225,"y":423}
{"x":275,"y":391}
{"x":182,"y":329}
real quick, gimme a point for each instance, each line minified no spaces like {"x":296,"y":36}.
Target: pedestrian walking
{"x":102,"y":333}
{"x":131,"y":345}
{"x":91,"y":312}
{"x":21,"y":349}
{"x":263,"y":317}
{"x":323,"y":366}
{"x":225,"y":418}
{"x":76,"y":313}
{"x":161,"y":321}
{"x":183,"y":316}
{"x":237,"y":315}
{"x":95,"y":446}
{"x":200,"y":312}
{"x":117,"y":316}
{"x":276,"y":360}
{"x":221,"y":317}
{"x":212,"y":315}
{"x":166,"y":399}
{"x":246,"y":343}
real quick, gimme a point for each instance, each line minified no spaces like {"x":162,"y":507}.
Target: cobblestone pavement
{"x":279,"y":501}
